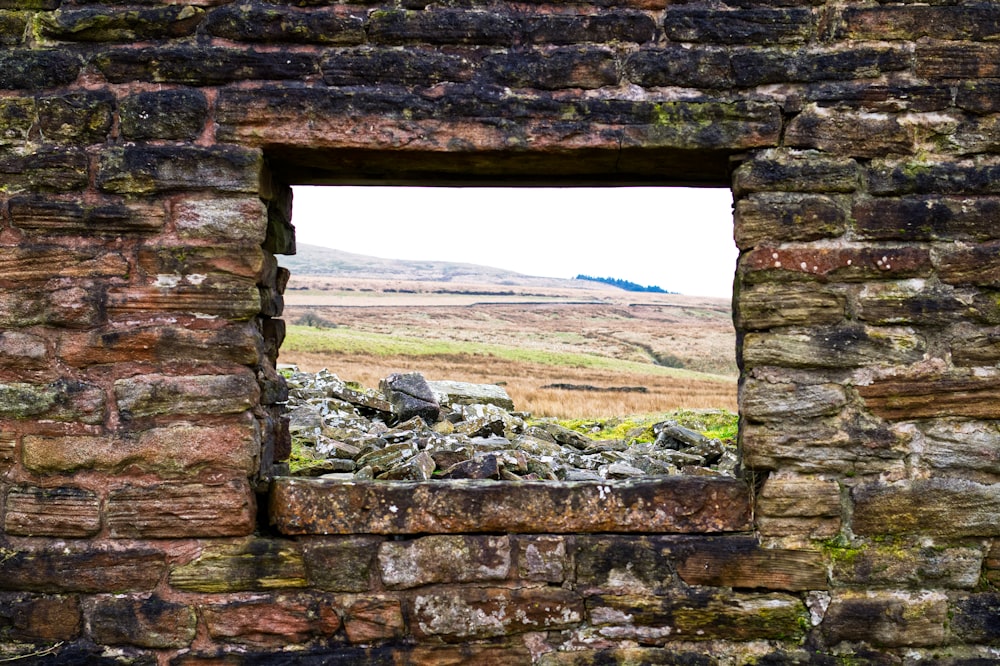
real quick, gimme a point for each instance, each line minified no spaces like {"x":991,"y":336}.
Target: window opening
{"x":560,"y":299}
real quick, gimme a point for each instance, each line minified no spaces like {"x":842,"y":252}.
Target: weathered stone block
{"x":796,"y":171}
{"x":483,"y":612}
{"x":823,"y":446}
{"x":922,"y":397}
{"x":909,"y":302}
{"x":947,"y":508}
{"x":142,"y":170}
{"x":255,"y":564}
{"x":740,"y":562}
{"x":179,"y":510}
{"x":938,"y":61}
{"x":675,"y":65}
{"x":232,"y":299}
{"x":12,"y":25}
{"x":416,"y":66}
{"x":621,"y":25}
{"x":8,"y":447}
{"x":77,"y":118}
{"x":839,"y":347}
{"x":774,"y":217}
{"x":168,"y":450}
{"x":340,"y":564}
{"x":670,"y":504}
{"x":142,"y":621}
{"x":886,"y":619}
{"x":697,"y":615}
{"x":978,"y":96}
{"x":444,"y":559}
{"x":911,"y":22}
{"x":841,"y":264}
{"x":62,"y":400}
{"x":976,"y":618}
{"x":17,"y":115}
{"x":275,"y":24}
{"x":858,"y":134}
{"x":168,"y":266}
{"x":977,"y":265}
{"x":99,"y":567}
{"x":766,"y":402}
{"x":232,"y":343}
{"x":624,"y":564}
{"x":73,"y":307}
{"x":552,"y":69}
{"x":34,"y":619}
{"x":239,"y":220}
{"x":45,"y":170}
{"x":34,"y":69}
{"x":271,"y":622}
{"x":119,"y":25}
{"x":371,"y":619}
{"x":920,"y":176}
{"x":706,"y":125}
{"x":543,"y":558}
{"x":201,"y":66}
{"x":975,"y":349}
{"x":773,"y":304}
{"x":110,"y":217}
{"x":24,"y":355}
{"x":157,"y":394}
{"x":799,"y":506}
{"x":164,"y":114}
{"x":45,"y":262}
{"x":62,"y":512}
{"x":756,"y":67}
{"x":745,"y":25}
{"x":903,"y":565}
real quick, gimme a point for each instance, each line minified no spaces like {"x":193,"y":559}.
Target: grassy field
{"x":366,"y":357}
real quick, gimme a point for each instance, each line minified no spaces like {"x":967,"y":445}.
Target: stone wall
{"x":146,"y":153}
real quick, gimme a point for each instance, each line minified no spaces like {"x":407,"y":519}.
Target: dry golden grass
{"x":523,"y":381}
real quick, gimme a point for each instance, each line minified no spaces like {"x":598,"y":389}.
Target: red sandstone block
{"x":840,"y":264}
{"x":47,"y":262}
{"x":170,"y":450}
{"x":62,"y":400}
{"x":63,"y":512}
{"x":175,"y":395}
{"x":181,"y":510}
{"x":274,"y":621}
{"x":372,"y":619}
{"x":236,"y":220}
{"x":148,"y":622}
{"x":166,"y":266}
{"x":232,"y":299}
{"x":239,"y":343}
{"x":111,"y":216}
{"x":977,"y":265}
{"x":918,"y":397}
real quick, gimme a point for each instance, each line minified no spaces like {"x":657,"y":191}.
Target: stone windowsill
{"x":670,"y":504}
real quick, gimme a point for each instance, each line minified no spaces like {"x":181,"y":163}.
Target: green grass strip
{"x":342,"y":340}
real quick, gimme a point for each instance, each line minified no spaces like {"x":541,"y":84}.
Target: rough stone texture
{"x":670,"y":504}
{"x":146,"y":156}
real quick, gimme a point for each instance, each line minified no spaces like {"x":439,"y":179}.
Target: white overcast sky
{"x":680,"y":239}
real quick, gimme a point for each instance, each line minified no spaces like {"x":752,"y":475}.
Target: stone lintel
{"x":663,"y":505}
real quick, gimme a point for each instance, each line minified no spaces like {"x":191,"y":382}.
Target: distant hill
{"x":313,"y":260}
